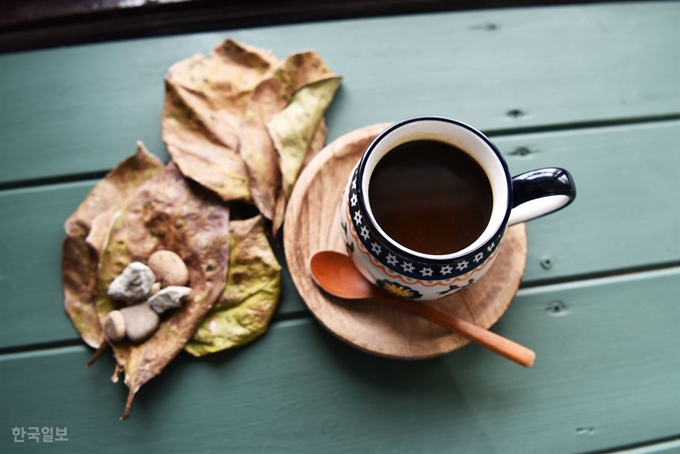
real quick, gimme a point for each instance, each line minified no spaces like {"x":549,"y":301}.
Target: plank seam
{"x":640,"y":448}
{"x":619,"y":272}
{"x":589,"y":124}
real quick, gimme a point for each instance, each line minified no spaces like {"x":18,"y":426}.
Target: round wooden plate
{"x":312,"y":224}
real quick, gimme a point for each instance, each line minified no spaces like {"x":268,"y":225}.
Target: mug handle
{"x":540,"y":192}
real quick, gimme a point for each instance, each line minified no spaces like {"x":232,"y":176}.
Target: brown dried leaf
{"x":100,"y":228}
{"x":171,"y":213}
{"x":79,"y":259}
{"x":271,"y":96}
{"x":205,"y":102}
{"x":121,"y":182}
{"x":243,"y":311}
{"x":79,"y":278}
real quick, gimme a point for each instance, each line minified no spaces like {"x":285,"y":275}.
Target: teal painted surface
{"x":81,"y":109}
{"x":31,"y":235}
{"x":624,"y":177}
{"x":669,"y":447}
{"x":606,"y":375}
{"x":627,"y":211}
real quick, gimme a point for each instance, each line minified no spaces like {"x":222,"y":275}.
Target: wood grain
{"x":313,"y":224}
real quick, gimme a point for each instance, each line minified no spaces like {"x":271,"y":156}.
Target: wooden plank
{"x":31,"y":235}
{"x":81,"y":109}
{"x":606,"y":375}
{"x":638,"y":165}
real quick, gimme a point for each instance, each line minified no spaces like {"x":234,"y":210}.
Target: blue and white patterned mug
{"x":415,"y":275}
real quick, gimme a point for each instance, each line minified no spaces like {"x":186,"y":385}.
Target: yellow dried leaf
{"x":243,"y":311}
{"x":292,"y":130}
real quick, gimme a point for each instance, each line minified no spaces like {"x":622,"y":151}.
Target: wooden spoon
{"x":336,"y":274}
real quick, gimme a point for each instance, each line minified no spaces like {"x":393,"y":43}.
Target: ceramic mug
{"x":415,"y":275}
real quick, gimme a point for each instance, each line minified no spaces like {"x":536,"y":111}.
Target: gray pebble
{"x":168,"y":298}
{"x":114,"y":326}
{"x":133,"y":284}
{"x":140,"y":321}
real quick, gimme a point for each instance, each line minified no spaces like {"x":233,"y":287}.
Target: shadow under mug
{"x":411,"y":274}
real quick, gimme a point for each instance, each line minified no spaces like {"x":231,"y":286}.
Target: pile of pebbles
{"x":148,"y":290}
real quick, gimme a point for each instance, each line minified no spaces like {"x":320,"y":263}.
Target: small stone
{"x":168,"y":298}
{"x":133,"y":284}
{"x":155,"y":288}
{"x":140,"y":321}
{"x":169,"y":268}
{"x":114,"y":326}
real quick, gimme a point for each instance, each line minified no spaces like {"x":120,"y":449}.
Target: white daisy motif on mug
{"x":392,"y":260}
{"x":358,"y":217}
{"x":479,"y":257}
{"x":408,"y":268}
{"x":364,"y":233}
{"x":353,"y":200}
{"x":426,"y":272}
{"x":462,"y":265}
{"x":491,"y":246}
{"x":448,"y":269}
{"x":375,"y":247}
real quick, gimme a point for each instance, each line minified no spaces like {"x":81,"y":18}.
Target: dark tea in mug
{"x":430,"y":197}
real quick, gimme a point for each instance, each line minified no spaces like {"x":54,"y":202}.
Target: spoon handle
{"x":499,"y":344}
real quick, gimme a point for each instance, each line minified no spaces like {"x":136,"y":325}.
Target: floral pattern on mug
{"x":398,"y":289}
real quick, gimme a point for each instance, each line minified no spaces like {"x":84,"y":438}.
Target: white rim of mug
{"x":492,"y":229}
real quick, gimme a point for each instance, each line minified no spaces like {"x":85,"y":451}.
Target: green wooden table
{"x":595,"y":89}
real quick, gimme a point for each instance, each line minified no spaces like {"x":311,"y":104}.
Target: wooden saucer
{"x":312,"y":224}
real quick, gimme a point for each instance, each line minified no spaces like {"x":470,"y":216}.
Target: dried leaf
{"x":317,"y":143}
{"x":205,"y":102}
{"x":114,"y":188}
{"x":271,"y":96}
{"x":79,"y":259}
{"x":79,"y":277}
{"x":292,"y":131}
{"x":243,"y":311}
{"x":170,"y":213}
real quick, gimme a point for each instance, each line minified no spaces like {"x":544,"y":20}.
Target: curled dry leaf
{"x":170,"y":213}
{"x":257,"y":147}
{"x":79,"y":257}
{"x":293,"y":129}
{"x":243,"y":311}
{"x":317,"y":143}
{"x":205,"y":102}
